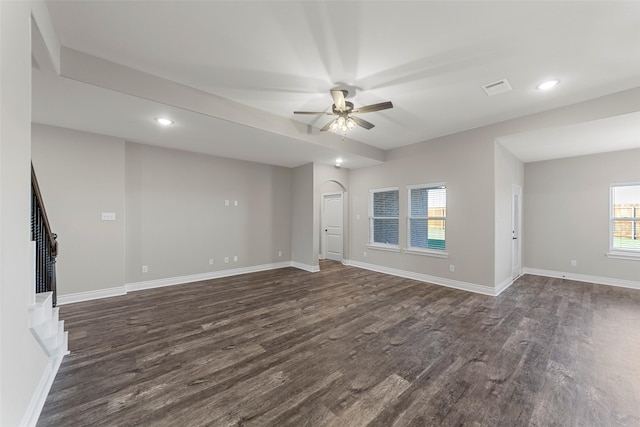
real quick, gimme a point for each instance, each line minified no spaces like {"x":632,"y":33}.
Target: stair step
{"x":47,"y":327}
{"x":42,"y":310}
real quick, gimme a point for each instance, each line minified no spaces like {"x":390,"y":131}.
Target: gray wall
{"x":466,"y":165}
{"x":303,"y":231}
{"x":177,"y":219}
{"x":81,"y":175}
{"x":22,"y":361}
{"x":508,"y":171}
{"x":567,"y":213}
{"x":170,"y":209}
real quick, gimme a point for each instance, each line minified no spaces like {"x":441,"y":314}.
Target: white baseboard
{"x":305,"y":267}
{"x":450,"y":283}
{"x":30,"y":418}
{"x":610,"y":281}
{"x":89,"y":295}
{"x":170,"y":281}
{"x":505,"y":284}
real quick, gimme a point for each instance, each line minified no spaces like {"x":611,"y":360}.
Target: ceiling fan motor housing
{"x":348,"y":107}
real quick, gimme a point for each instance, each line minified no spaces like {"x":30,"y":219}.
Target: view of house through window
{"x":625,"y":217}
{"x":427,"y":216}
{"x":384,"y":216}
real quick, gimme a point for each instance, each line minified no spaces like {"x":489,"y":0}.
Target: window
{"x":625,"y":218}
{"x":427,"y":216}
{"x":383,"y":216}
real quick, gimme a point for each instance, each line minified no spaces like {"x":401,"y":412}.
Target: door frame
{"x":516,"y":230}
{"x":323,"y":225}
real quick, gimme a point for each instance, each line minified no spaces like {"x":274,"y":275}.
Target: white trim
{"x":380,"y":190}
{"x":619,"y":253}
{"x":426,"y":252}
{"x":90,"y":295}
{"x":415,"y":249}
{"x":372,"y":218}
{"x":449,"y":283}
{"x":30,"y":417}
{"x":170,"y":281}
{"x":305,"y":267}
{"x":609,"y":281}
{"x":323,"y":224}
{"x":384,"y":247}
{"x":180,"y":280}
{"x":431,"y":185}
{"x":632,"y":256}
{"x":501,"y":287}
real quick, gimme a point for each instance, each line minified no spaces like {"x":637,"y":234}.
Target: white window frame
{"x":618,"y":253}
{"x":376,"y":245}
{"x":439,"y":253}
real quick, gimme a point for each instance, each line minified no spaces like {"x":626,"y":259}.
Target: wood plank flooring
{"x":350,"y":347}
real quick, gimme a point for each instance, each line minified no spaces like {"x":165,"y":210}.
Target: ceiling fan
{"x":344,"y":110}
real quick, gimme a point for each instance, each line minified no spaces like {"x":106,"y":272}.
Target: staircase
{"x":46,"y":326}
{"x":44,"y":322}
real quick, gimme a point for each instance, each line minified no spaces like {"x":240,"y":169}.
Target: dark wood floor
{"x":350,"y":347}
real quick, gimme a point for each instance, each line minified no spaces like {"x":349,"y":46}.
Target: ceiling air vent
{"x":496,"y":88}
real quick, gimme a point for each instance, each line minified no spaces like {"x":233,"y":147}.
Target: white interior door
{"x":332,"y":226}
{"x":516,"y":222}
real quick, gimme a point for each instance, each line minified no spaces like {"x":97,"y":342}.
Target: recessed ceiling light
{"x":163,"y":121}
{"x":548,"y":84}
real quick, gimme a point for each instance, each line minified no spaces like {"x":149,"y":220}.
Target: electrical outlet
{"x":145,"y":269}
{"x":279,"y":253}
{"x":574,"y":263}
{"x":235,"y":258}
{"x":235,"y":203}
{"x":210,"y":261}
{"x":452,"y":268}
{"x":364,"y":254}
{"x":358,"y":217}
{"x":226,"y":260}
{"x":226,"y":203}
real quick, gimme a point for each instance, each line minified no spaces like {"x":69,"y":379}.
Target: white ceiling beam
{"x":99,"y":72}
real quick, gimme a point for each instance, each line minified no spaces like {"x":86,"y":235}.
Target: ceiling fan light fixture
{"x":341,"y":108}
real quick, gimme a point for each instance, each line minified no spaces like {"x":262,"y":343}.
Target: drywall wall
{"x":466,"y":166}
{"x":509,"y":171}
{"x":178,"y":218}
{"x":81,"y":175}
{"x":566,"y":204}
{"x":304,"y":250}
{"x":22,"y":362}
{"x":175,"y":220}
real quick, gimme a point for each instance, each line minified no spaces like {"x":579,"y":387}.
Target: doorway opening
{"x":332,"y":234}
{"x":516,"y":223}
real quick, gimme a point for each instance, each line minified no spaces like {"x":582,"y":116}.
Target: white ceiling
{"x":429,"y":58}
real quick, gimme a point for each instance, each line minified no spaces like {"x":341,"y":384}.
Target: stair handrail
{"x":45,"y":239}
{"x":38,"y":196}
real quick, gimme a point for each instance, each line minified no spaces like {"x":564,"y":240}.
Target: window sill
{"x":383,"y":247}
{"x":624,"y":255}
{"x":426,"y":252}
